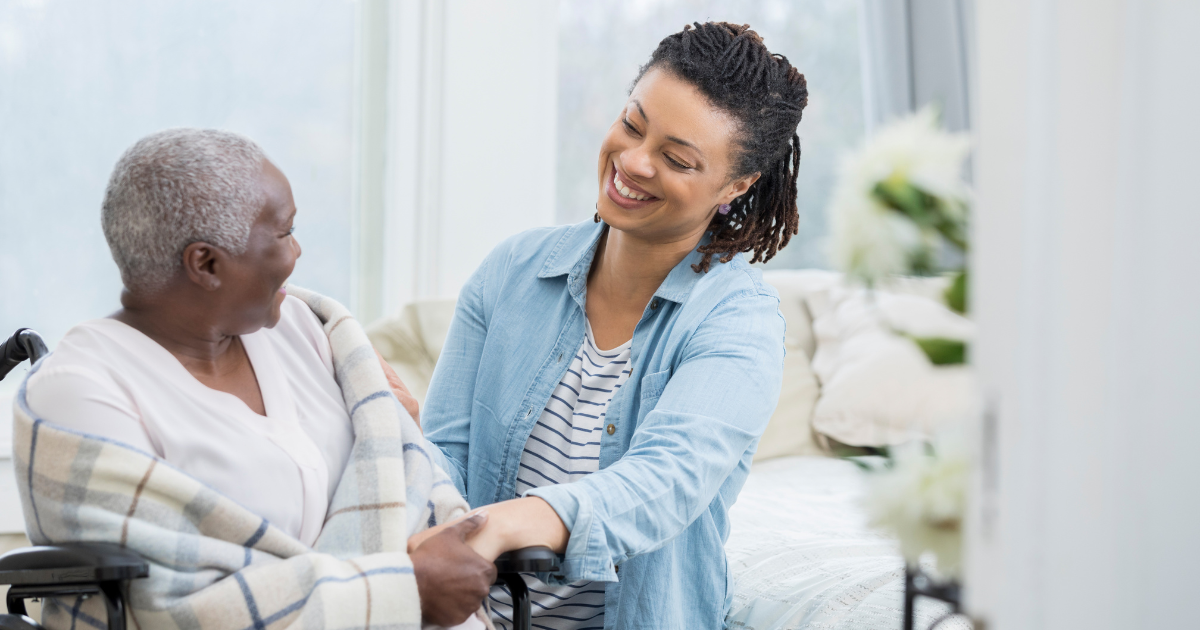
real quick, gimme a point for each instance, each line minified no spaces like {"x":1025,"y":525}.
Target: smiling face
{"x":665,"y":163}
{"x":253,"y":284}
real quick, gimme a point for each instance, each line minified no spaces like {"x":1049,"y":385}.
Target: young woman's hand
{"x":401,"y":390}
{"x":452,"y":579}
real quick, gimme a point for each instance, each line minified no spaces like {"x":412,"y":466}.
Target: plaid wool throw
{"x":216,"y":565}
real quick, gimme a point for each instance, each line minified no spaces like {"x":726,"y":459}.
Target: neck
{"x":178,"y":322}
{"x":631,"y":269}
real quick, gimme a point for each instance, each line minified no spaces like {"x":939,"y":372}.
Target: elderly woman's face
{"x":255,"y":284}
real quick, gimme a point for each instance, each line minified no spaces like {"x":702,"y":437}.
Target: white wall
{"x":1088,"y":306}
{"x":472,"y":125}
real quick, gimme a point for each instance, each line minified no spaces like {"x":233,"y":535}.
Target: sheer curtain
{"x":602,"y":45}
{"x":81,"y":81}
{"x":916,"y":52}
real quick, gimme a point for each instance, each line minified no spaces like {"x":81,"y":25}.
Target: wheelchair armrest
{"x":82,"y":563}
{"x":18,"y":622}
{"x":527,"y":560}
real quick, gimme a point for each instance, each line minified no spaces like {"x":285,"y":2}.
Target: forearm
{"x":520,"y":523}
{"x":515,"y":524}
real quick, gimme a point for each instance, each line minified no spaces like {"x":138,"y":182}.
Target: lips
{"x":626,"y":194}
{"x":628,"y":189}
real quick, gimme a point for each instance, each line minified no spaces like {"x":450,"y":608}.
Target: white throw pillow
{"x":411,"y":341}
{"x":877,"y":387}
{"x":790,"y":430}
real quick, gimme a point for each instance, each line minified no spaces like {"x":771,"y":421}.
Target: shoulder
{"x":96,"y":345}
{"x":734,"y":284}
{"x":532,"y":248}
{"x":86,"y":364}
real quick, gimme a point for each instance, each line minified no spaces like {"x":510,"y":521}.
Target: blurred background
{"x":417,"y":134}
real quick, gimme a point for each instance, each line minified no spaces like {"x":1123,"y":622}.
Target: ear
{"x":201,"y":263}
{"x":738,"y":187}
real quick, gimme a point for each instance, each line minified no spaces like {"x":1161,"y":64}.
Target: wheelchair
{"x":102,"y":570}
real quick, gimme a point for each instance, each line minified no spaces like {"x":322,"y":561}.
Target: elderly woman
{"x":210,"y":365}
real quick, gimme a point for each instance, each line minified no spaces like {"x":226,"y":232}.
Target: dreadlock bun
{"x":766,"y":95}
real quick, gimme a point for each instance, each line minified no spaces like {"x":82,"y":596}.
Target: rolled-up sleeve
{"x":714,"y":407}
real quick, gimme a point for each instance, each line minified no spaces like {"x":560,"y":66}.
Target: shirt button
{"x":653,"y":304}
{"x":612,"y":429}
{"x":560,"y":358}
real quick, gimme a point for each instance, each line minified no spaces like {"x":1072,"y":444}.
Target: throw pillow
{"x":877,"y":387}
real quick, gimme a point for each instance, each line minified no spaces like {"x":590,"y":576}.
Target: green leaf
{"x":942,"y":351}
{"x":901,"y":196}
{"x":956,"y":293}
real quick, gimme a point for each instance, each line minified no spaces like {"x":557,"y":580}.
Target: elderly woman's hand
{"x":452,"y":580}
{"x":401,"y":390}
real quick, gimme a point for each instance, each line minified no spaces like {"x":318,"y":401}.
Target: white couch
{"x":800,"y":548}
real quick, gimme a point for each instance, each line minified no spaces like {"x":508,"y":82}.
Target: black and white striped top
{"x":563,"y":447}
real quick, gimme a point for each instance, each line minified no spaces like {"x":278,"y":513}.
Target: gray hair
{"x":174,"y":188}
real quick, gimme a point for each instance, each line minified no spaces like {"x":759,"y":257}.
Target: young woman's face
{"x":665,"y":163}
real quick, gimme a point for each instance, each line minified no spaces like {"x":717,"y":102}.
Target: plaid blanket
{"x":216,"y":565}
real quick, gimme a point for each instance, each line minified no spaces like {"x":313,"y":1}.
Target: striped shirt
{"x":563,"y":447}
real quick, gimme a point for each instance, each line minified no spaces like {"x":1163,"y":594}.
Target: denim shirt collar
{"x":573,"y":256}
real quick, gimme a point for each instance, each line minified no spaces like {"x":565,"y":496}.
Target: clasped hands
{"x":454,"y":562}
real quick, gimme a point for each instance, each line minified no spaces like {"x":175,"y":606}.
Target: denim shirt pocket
{"x":652,"y":387}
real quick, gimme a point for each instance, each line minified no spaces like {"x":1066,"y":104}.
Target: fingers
{"x":410,"y":405}
{"x":398,"y":388}
{"x":468,"y":525}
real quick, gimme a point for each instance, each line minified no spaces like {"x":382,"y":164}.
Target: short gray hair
{"x":174,"y":188}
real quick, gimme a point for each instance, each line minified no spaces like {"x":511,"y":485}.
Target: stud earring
{"x":723,"y":208}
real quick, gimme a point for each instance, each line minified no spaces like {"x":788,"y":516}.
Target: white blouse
{"x":108,"y":379}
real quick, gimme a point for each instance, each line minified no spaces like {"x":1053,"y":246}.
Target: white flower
{"x":870,"y":240}
{"x":922,"y":499}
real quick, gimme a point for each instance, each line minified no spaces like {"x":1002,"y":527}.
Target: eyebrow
{"x":674,"y":139}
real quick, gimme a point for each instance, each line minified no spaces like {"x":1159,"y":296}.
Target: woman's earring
{"x":723,"y":208}
{"x":597,"y":217}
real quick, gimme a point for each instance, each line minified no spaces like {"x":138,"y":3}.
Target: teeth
{"x":625,"y":191}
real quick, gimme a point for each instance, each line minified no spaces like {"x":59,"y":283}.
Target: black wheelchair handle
{"x":24,"y":344}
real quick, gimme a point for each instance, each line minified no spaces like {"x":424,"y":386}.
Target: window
{"x":602,"y":44}
{"x":81,"y":81}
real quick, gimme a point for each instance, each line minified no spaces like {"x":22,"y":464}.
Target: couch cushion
{"x":412,"y":341}
{"x":877,"y":387}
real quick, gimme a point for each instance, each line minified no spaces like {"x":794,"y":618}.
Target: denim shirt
{"x":678,"y":438}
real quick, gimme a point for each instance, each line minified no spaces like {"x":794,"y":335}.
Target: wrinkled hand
{"x":452,"y":580}
{"x":401,"y":391}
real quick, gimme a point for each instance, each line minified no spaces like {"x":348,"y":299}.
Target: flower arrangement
{"x":900,"y":205}
{"x":897,"y":197}
{"x":921,"y":497}
{"x":899,"y":202}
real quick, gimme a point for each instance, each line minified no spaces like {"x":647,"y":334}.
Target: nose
{"x":637,"y":162}
{"x":296,"y":246}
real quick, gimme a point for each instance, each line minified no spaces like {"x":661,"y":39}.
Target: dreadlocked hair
{"x":766,"y":95}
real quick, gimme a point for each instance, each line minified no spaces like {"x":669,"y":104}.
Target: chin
{"x":275,"y":313}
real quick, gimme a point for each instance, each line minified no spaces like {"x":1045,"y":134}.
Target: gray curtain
{"x":917,"y":52}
